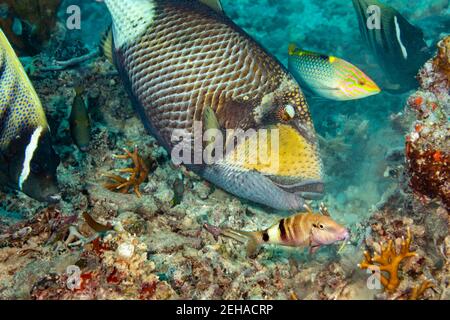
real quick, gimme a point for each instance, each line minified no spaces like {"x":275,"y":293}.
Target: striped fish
{"x":328,"y":76}
{"x":183,"y":61}
{"x":27,"y":160}
{"x":398,"y":46}
{"x":300,"y":230}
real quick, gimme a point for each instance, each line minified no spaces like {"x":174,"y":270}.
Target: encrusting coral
{"x":418,"y":291}
{"x":428,"y":143}
{"x":442,"y":60}
{"x":139,"y":174}
{"x":388,"y":261}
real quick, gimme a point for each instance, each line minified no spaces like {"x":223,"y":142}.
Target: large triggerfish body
{"x":183,"y":61}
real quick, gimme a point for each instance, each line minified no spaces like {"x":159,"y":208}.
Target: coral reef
{"x":428,"y":143}
{"x":418,"y":291}
{"x":154,"y":246}
{"x":139,"y":174}
{"x":442,"y":60}
{"x":388,"y":260}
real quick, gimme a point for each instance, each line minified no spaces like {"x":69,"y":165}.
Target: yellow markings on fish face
{"x":281,"y":151}
{"x":353,"y":83}
{"x":332,"y":59}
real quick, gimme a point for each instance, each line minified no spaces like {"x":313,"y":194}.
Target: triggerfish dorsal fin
{"x":214,"y":4}
{"x":106,"y":46}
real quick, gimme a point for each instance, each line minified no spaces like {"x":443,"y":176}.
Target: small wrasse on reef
{"x":300,"y":230}
{"x":80,"y":124}
{"x":27,"y":160}
{"x":329,"y":77}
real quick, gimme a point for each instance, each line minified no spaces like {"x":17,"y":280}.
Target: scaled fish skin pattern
{"x":27,"y":160}
{"x":180,"y":58}
{"x":329,"y":77}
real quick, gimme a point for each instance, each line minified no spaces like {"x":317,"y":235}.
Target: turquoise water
{"x":362,"y":146}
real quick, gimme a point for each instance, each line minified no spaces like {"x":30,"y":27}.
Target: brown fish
{"x":300,"y":230}
{"x":184,"y":62}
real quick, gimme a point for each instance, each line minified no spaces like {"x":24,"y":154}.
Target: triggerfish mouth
{"x":328,"y":76}
{"x":184,"y":63}
{"x":27,"y":160}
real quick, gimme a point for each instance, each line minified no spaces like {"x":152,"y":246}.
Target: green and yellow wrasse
{"x":183,"y":61}
{"x":80,"y":124}
{"x":27,"y":160}
{"x":300,"y":230}
{"x":329,"y":77}
{"x":398,"y":46}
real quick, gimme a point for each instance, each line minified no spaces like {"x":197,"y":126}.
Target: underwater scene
{"x":224,"y":150}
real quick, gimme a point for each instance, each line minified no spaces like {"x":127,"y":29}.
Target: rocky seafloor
{"x":156,"y":248}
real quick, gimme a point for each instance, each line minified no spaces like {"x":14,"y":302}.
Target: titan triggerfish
{"x":179,"y":59}
{"x":27,"y":160}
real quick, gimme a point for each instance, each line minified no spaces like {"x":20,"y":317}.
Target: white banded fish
{"x":398,"y":46}
{"x":27,"y":160}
